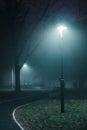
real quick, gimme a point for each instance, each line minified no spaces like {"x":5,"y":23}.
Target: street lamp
{"x":25,"y":66}
{"x":61,"y":30}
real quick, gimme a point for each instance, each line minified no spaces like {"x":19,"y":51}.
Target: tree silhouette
{"x":20,"y":14}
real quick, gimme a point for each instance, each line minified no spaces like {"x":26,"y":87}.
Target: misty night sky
{"x":71,"y":10}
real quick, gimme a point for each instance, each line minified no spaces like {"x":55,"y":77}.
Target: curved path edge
{"x":13,"y":115}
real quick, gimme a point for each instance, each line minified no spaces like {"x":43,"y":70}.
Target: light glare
{"x":25,"y":66}
{"x":61,"y":30}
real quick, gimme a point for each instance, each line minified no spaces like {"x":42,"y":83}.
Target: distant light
{"x":61,"y":30}
{"x":25,"y":66}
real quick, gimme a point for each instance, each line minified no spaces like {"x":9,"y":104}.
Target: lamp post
{"x":25,"y":66}
{"x":61,"y":30}
{"x":24,"y":74}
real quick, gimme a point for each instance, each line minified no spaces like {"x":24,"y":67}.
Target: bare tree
{"x":17,"y":11}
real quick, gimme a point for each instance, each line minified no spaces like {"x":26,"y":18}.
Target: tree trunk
{"x":17,"y":78}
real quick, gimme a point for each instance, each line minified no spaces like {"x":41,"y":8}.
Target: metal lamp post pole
{"x":61,"y":29}
{"x":62,"y":84}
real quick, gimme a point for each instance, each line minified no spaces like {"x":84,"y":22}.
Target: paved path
{"x":6,"y":109}
{"x":6,"y":120}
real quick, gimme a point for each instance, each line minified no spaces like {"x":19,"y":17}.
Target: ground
{"x":46,"y":115}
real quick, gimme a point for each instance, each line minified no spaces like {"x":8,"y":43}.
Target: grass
{"x":45,"y":115}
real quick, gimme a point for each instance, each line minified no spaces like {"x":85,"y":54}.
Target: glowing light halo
{"x":61,"y":29}
{"x":25,"y":65}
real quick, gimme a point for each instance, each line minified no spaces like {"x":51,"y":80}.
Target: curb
{"x":14,"y":118}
